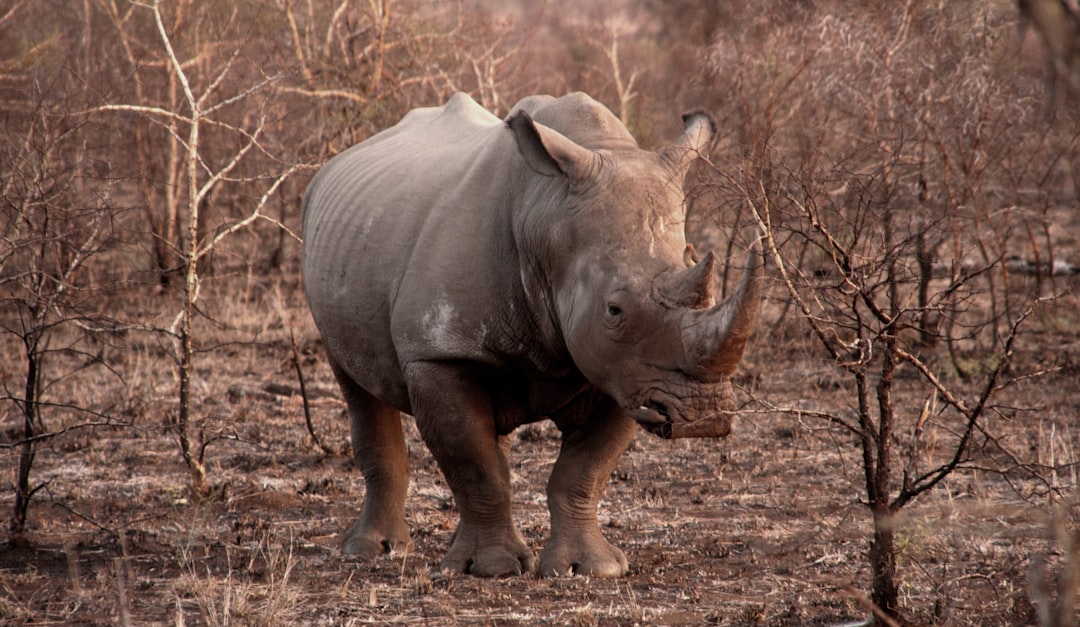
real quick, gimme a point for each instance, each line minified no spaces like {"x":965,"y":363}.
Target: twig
{"x":810,"y":413}
{"x":304,"y":394}
{"x":326,"y":93}
{"x":93,"y":522}
{"x":37,"y":437}
{"x":931,"y":478}
{"x":256,"y":213}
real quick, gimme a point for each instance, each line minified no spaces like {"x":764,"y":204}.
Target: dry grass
{"x":765,"y":527}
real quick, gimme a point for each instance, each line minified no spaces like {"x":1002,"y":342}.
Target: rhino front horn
{"x":693,"y":287}
{"x":714,"y":338}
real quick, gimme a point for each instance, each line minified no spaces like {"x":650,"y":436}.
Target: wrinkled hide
{"x":481,"y":273}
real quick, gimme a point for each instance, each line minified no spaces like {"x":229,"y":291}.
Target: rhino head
{"x":637,"y":308}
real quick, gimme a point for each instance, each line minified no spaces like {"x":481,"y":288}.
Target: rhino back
{"x":404,"y":238}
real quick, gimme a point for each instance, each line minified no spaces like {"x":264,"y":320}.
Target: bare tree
{"x":48,"y":237}
{"x":624,"y":87}
{"x":889,"y":242}
{"x":198,"y":176}
{"x":858,"y":305}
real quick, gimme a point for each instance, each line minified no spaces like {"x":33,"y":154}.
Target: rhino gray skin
{"x":482,"y":274}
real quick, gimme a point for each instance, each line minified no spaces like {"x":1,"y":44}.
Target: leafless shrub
{"x":51,"y":230}
{"x":363,"y":64}
{"x":892,"y":165}
{"x":198,"y":168}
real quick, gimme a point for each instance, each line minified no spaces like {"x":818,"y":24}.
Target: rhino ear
{"x":549,"y":152}
{"x":698,"y":132}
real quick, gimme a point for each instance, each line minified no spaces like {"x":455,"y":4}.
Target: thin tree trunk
{"x":191,"y":294}
{"x":380,"y":14}
{"x":883,"y":591}
{"x":191,"y":458}
{"x":190,"y":172}
{"x":924,"y":256}
{"x":17,"y":524}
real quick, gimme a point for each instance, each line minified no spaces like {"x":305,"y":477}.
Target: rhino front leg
{"x":588,"y":455}
{"x":378,"y":444}
{"x":454,"y":415}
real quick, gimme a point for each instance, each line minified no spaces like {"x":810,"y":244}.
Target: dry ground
{"x":766,"y":527}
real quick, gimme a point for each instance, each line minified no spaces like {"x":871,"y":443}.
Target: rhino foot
{"x":369,"y":540}
{"x":582,"y":554}
{"x":488,"y":553}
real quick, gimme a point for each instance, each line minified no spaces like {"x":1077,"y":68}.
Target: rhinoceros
{"x":481,"y":274}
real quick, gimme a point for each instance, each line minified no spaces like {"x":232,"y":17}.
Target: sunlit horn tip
{"x":692,"y":287}
{"x":690,"y":255}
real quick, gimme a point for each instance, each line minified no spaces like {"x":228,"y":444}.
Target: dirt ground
{"x":765,"y":527}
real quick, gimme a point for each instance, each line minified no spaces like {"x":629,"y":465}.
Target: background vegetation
{"x":913,"y":170}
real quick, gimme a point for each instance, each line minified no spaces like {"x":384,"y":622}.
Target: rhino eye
{"x":614,"y":310}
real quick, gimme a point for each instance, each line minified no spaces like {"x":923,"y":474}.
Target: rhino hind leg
{"x":589,"y":453}
{"x":378,"y":444}
{"x":455,"y":419}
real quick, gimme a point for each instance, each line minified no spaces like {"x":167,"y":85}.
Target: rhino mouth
{"x":652,"y":414}
{"x":706,"y":413}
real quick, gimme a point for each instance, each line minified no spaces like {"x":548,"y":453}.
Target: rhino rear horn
{"x":714,"y":338}
{"x":698,"y":132}
{"x":549,"y":152}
